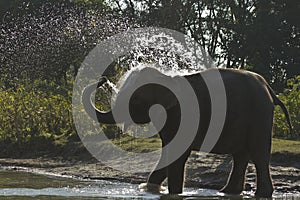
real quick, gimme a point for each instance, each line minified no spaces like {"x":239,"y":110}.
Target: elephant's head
{"x":141,"y":89}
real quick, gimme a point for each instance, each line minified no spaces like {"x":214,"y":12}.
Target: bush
{"x":30,"y":115}
{"x":39,"y":114}
{"x":291,"y":98}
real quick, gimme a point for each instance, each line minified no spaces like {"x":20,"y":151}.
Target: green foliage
{"x":291,"y":98}
{"x":29,"y":114}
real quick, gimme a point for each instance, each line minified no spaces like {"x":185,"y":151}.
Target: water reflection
{"x":21,"y":185}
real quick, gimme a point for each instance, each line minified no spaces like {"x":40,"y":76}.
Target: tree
{"x":260,"y":35}
{"x":274,"y":41}
{"x":42,"y":40}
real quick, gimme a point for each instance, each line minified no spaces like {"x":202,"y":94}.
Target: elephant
{"x":246,"y":134}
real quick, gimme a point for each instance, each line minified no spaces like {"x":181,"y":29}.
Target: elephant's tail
{"x":278,"y":102}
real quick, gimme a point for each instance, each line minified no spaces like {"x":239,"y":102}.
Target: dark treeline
{"x":43,"y":43}
{"x":47,"y":39}
{"x":259,"y":35}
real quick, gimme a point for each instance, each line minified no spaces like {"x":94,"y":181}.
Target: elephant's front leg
{"x":157,"y":176}
{"x":176,"y":172}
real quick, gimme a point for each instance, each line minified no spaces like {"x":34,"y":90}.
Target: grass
{"x":138,"y":145}
{"x":285,"y":146}
{"x":142,"y":145}
{"x":286,"y":152}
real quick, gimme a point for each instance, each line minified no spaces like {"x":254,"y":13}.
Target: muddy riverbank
{"x":210,"y":171}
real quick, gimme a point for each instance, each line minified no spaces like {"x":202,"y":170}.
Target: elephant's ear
{"x":172,"y":103}
{"x":167,"y":97}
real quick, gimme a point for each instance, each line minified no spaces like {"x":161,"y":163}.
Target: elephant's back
{"x":245,"y":91}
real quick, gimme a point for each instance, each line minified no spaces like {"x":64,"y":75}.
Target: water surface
{"x":23,"y":185}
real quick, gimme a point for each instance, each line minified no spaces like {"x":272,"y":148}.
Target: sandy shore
{"x":208,"y":172}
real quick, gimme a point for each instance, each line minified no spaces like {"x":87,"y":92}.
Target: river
{"x":22,"y":185}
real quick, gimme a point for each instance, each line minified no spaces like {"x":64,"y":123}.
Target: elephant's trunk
{"x":92,"y":111}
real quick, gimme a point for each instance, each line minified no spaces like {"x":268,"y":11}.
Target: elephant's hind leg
{"x":235,"y":183}
{"x":263,"y":181}
{"x":264,"y":186}
{"x":260,"y":155}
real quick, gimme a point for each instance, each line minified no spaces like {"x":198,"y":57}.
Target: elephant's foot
{"x":262,"y":194}
{"x":264,"y":187}
{"x":228,"y":189}
{"x":171,"y":196}
{"x":265,"y":192}
{"x":151,"y":187}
